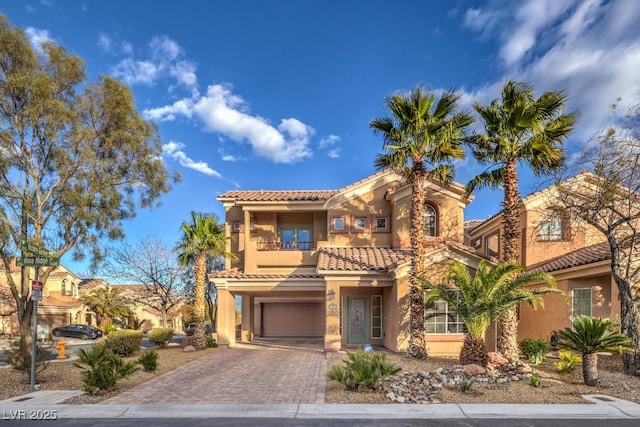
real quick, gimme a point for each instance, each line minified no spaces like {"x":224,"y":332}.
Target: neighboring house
{"x":145,"y":308}
{"x":575,"y":253}
{"x":59,"y":306}
{"x":335,"y":263}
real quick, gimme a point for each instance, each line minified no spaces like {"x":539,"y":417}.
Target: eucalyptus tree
{"x":519,"y":129}
{"x":422,"y":137}
{"x":76,"y":159}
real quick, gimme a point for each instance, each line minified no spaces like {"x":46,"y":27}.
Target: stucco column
{"x":226,"y":318}
{"x":332,"y":337}
{"x":248,"y":307}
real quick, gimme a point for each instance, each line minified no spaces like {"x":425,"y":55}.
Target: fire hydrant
{"x":60,"y":348}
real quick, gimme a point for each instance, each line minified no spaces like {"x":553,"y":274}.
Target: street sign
{"x":35,"y":261}
{"x":36,"y":285}
{"x":36,"y":295}
{"x":35,"y":249}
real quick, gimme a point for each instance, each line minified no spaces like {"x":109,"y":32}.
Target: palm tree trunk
{"x":473,"y":351}
{"x":417,"y":343}
{"x":590,"y":369}
{"x":507,"y":340}
{"x":199,"y":339}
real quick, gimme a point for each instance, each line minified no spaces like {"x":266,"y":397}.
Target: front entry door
{"x":357,"y":320}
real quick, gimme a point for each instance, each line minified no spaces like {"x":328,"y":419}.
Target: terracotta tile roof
{"x":472,"y":223}
{"x":583,"y":256}
{"x":89,"y":284}
{"x":279,"y":195}
{"x":236,"y":274}
{"x":361,"y":258}
{"x":56,"y":300}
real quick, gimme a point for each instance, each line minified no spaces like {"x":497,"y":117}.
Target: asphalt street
{"x":337,"y":422}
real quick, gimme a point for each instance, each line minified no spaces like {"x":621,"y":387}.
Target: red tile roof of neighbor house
{"x":89,"y":284}
{"x":583,"y":256}
{"x":54,"y":299}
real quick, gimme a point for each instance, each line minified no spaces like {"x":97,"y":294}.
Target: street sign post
{"x":40,"y":257}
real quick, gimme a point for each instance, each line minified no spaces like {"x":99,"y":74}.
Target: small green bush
{"x":160,"y":336}
{"x":124,"y":343}
{"x":149,"y":360}
{"x":362,"y":370}
{"x":568,"y":361}
{"x":211,"y":341}
{"x":535,"y":380}
{"x":102,"y":368}
{"x":534,"y":348}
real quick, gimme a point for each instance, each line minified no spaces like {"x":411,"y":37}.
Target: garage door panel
{"x":293,"y":319}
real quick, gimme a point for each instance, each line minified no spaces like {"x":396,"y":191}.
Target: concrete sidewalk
{"x":602,"y":407}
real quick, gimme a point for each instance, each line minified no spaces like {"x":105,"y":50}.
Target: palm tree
{"x":421,"y":139}
{"x":519,"y":129}
{"x":480,"y":299}
{"x":589,"y":336}
{"x":202,"y":237}
{"x":107,"y":303}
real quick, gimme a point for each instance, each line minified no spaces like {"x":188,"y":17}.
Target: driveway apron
{"x":247,"y":373}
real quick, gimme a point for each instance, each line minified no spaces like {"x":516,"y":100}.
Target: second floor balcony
{"x":278,"y":245}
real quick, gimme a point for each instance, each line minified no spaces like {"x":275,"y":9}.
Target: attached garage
{"x":293,"y":319}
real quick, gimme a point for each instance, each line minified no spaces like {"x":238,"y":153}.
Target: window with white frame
{"x":552,"y":229}
{"x":430,"y":221}
{"x":438,"y":319}
{"x":376,"y":316}
{"x":581,"y":302}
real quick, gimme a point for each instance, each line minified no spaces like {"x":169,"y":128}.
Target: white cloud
{"x":174,"y":150}
{"x":328,"y":141}
{"x":335,"y":153}
{"x":226,"y":113}
{"x":104,"y":42}
{"x":37,"y":38}
{"x":168,"y":113}
{"x":590,"y":48}
{"x":164,"y":61}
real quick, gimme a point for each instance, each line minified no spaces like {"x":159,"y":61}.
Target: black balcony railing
{"x":285,"y":246}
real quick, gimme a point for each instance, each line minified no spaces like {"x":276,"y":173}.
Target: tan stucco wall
{"x":555,"y":314}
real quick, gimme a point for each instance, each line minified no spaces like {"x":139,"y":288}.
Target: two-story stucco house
{"x":574,"y":252}
{"x":335,"y":263}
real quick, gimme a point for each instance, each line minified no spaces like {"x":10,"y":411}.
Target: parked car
{"x":78,"y":331}
{"x":191,"y":328}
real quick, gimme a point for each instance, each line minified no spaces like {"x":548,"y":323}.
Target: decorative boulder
{"x":474,"y":370}
{"x":189,"y":349}
{"x":495,"y":359}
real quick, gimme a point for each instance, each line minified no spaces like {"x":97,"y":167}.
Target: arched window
{"x":430,"y":221}
{"x":64,"y":287}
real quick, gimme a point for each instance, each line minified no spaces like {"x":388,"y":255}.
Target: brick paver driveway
{"x":262,"y":372}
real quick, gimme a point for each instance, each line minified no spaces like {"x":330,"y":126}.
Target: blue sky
{"x":279,"y":94}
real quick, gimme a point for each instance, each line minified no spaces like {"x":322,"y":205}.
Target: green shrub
{"x":102,"y":368}
{"x":149,"y":360}
{"x":211,"y":341}
{"x":568,"y":361}
{"x":21,"y":360}
{"x":124,"y":343}
{"x":535,"y":380}
{"x":160,"y":336}
{"x":362,"y":370}
{"x":533,"y":348}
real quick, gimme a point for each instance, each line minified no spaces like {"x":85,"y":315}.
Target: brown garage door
{"x":293,"y":319}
